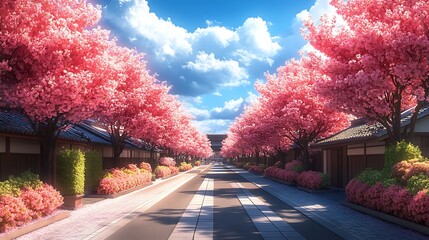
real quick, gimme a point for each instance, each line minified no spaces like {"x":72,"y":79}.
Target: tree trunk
{"x":257,"y":157}
{"x":48,"y":149}
{"x":118,"y":143}
{"x":47,"y":132}
{"x":305,"y":156}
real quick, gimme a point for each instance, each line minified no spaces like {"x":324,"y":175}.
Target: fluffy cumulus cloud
{"x":207,"y":61}
{"x":202,"y":61}
{"x":167,"y":39}
{"x":213,"y":125}
{"x":214,"y":69}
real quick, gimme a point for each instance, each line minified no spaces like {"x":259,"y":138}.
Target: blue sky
{"x":211,"y":51}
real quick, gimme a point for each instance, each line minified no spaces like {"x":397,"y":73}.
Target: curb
{"x":30,"y":227}
{"x":115,"y":195}
{"x":389,"y":218}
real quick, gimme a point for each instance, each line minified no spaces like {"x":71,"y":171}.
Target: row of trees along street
{"x":58,"y":67}
{"x":369,"y":60}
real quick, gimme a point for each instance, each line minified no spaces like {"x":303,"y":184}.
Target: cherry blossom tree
{"x":51,"y":65}
{"x":132,"y":100}
{"x":376,"y":59}
{"x":297,"y":112}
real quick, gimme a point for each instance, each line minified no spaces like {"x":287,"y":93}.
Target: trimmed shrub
{"x":290,"y":176}
{"x":13,"y":213}
{"x":295,"y":166}
{"x":14,"y":185}
{"x":419,"y":207}
{"x":398,"y":152}
{"x":418,"y":183}
{"x":25,"y":198}
{"x":162,"y":171}
{"x":355,"y":191}
{"x":71,"y":172}
{"x":93,"y":170}
{"x":198,"y":163}
{"x":146,"y":166}
{"x":173,"y":169}
{"x":258,"y":168}
{"x":117,"y":180}
{"x":405,"y":170}
{"x":167,"y":161}
{"x":313,"y":180}
{"x":370,"y":176}
{"x":239,"y":164}
{"x":373,"y":195}
{"x":185,"y":166}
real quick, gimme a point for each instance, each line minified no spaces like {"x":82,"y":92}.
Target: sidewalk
{"x":99,"y":219}
{"x":341,"y":220}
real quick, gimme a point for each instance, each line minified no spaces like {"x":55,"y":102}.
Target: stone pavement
{"x":99,"y":220}
{"x":197,"y":220}
{"x":345,"y":222}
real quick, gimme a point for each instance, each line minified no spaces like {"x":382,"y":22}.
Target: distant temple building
{"x":216,"y":144}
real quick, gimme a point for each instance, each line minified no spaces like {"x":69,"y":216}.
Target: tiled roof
{"x":362,"y":130}
{"x":15,"y":123}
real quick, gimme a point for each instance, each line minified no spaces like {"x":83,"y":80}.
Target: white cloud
{"x":255,"y":36}
{"x":251,"y":98}
{"x":231,"y":105}
{"x":251,"y":41}
{"x":221,"y":35}
{"x":228,"y":72}
{"x":217,"y":94}
{"x":319,"y":8}
{"x":167,"y":38}
{"x":212,"y":125}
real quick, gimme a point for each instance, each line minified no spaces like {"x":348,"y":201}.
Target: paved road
{"x":220,"y":202}
{"x":240,"y":210}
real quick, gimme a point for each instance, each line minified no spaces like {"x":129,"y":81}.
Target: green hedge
{"x":93,"y":170}
{"x":13,"y":185}
{"x":399,"y":152}
{"x":71,"y":172}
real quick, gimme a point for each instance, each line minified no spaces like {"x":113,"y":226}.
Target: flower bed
{"x":26,"y":198}
{"x":394,"y":199}
{"x":312,"y":180}
{"x":258,"y":169}
{"x":185,"y":167}
{"x":117,"y":180}
{"x":401,"y":189}
{"x":174,"y":170}
{"x":167,"y":161}
{"x":162,"y":171}
{"x":290,"y":175}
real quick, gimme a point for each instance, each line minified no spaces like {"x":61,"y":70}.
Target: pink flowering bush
{"x":173,"y":169}
{"x":258,"y":168}
{"x":418,"y":208}
{"x":25,"y":199}
{"x":146,"y":166}
{"x":312,"y":180}
{"x":117,"y":180}
{"x":185,"y":166}
{"x":239,"y":164}
{"x":295,"y":166}
{"x":13,"y":213}
{"x":394,"y":199}
{"x":162,"y":171}
{"x":274,"y":172}
{"x":290,"y":176}
{"x":167,"y":161}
